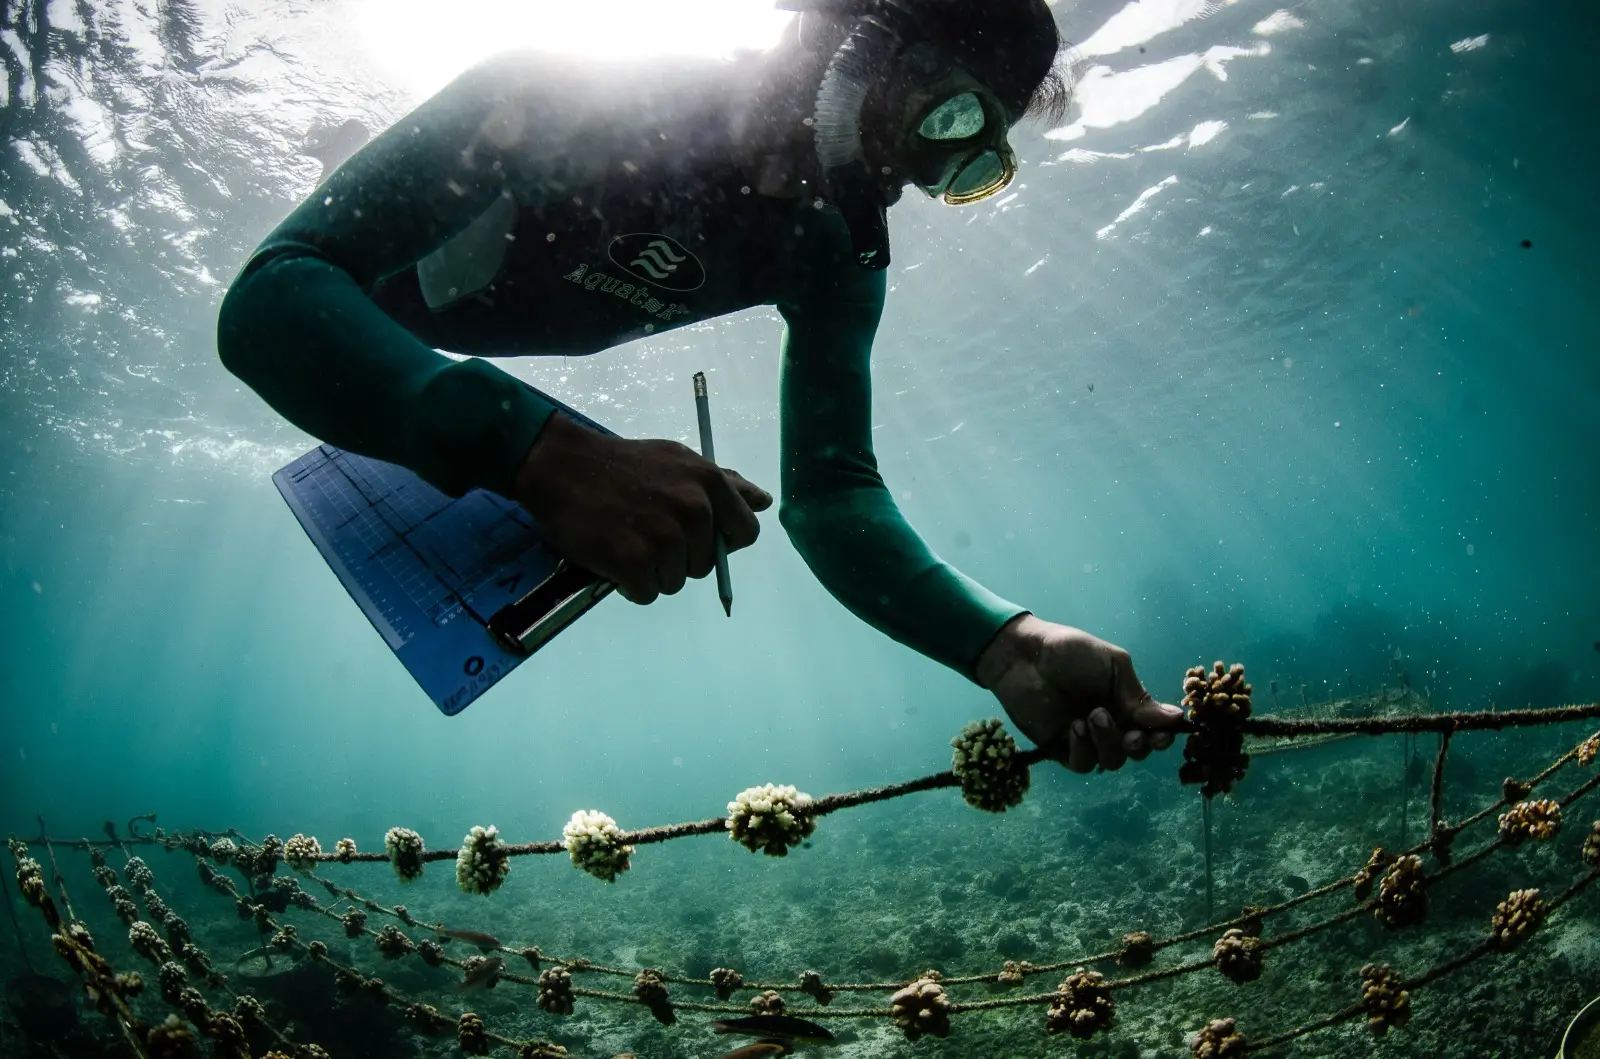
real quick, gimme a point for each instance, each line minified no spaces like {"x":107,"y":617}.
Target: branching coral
{"x":985,"y":761}
{"x":139,"y":874}
{"x":344,"y":849}
{"x":770,"y":819}
{"x":812,"y":985}
{"x":404,"y":847}
{"x":1519,"y":915}
{"x":594,"y":842}
{"x":1138,"y":949}
{"x":650,"y":986}
{"x":1238,"y":955}
{"x":1218,"y":703}
{"x":767,"y":1002}
{"x":30,"y":880}
{"x":1591,"y":847}
{"x":482,"y":863}
{"x":1387,"y":1004}
{"x":170,"y":980}
{"x":1014,"y":973}
{"x":1539,"y":819}
{"x":392,"y":943}
{"x":725,"y":980}
{"x":1218,"y":1040}
{"x":426,"y":1018}
{"x":921,"y":1008}
{"x":147,"y":943}
{"x":1082,"y":1006}
{"x":555,"y":991}
{"x":1402,"y":899}
{"x":471,"y":1035}
{"x":301,"y":852}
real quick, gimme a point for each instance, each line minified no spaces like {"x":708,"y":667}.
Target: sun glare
{"x":422,"y":45}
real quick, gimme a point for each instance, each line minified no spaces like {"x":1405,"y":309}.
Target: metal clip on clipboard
{"x":556,"y":602}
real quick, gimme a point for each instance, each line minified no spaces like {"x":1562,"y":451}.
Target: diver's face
{"x":948,"y":133}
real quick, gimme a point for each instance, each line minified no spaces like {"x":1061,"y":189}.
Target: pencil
{"x":702,"y":408}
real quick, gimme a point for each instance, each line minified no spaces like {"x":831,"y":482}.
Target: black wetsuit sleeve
{"x":297,"y":324}
{"x":836,"y":508}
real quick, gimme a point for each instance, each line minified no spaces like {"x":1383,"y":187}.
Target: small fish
{"x":1091,"y":387}
{"x":760,"y":1050}
{"x":775,"y":1027}
{"x":483,"y":976}
{"x":483,"y":942}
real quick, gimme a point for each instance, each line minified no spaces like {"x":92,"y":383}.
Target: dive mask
{"x":958,"y":149}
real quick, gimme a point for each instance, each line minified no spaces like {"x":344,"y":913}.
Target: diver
{"x":546,"y":205}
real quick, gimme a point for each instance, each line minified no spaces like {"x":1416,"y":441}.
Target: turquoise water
{"x":1281,"y":351}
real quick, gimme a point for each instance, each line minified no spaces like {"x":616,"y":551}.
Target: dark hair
{"x":1014,"y":45}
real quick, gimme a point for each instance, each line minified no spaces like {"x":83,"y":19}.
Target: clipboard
{"x":462,"y":589}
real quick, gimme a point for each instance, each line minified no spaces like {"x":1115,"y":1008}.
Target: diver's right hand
{"x":643,"y":514}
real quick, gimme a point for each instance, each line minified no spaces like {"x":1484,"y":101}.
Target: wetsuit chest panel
{"x":642,"y":253}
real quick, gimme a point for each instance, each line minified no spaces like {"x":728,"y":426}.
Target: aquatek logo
{"x":658,"y":258}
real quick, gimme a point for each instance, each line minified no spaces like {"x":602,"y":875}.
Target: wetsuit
{"x":543,"y":206}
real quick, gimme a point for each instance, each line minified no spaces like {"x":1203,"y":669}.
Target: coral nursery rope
{"x":773,"y":818}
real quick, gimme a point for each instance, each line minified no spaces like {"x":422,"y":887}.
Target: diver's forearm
{"x":300,"y":333}
{"x":866,"y":555}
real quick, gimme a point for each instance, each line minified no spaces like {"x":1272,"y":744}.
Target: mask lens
{"x":960,"y":118}
{"x":980,"y":178}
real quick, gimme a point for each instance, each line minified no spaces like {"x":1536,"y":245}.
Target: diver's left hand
{"x":1074,"y":694}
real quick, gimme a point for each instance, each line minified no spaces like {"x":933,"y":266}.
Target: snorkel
{"x":836,"y":124}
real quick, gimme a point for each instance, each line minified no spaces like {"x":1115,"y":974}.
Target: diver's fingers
{"x":1136,"y":745}
{"x":1107,"y":739}
{"x":1080,"y":748}
{"x":1161,"y":739}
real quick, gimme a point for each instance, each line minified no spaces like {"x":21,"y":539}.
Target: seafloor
{"x":885,"y":892}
